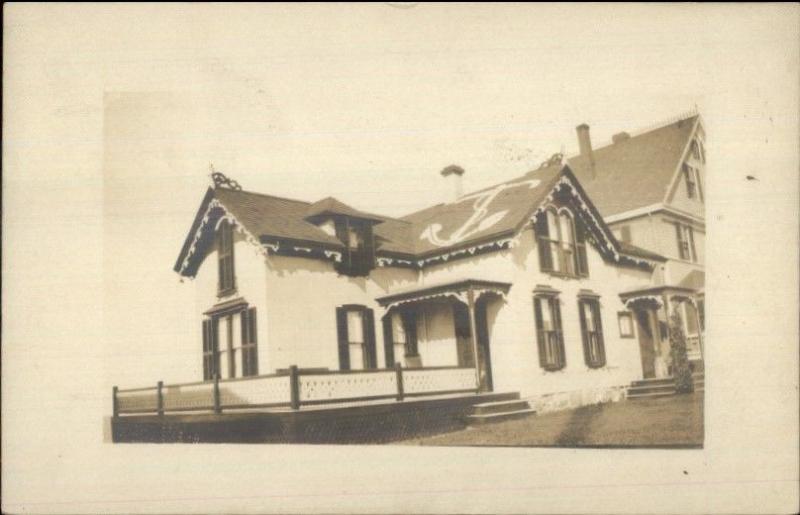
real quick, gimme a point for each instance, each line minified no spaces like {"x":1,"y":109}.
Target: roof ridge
{"x":267,"y":195}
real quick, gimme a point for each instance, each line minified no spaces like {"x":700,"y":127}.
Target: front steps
{"x":662,"y":387}
{"x":487,"y":412}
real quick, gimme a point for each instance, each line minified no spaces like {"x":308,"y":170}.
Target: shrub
{"x":680,"y":361}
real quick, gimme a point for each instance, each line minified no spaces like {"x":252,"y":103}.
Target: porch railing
{"x":293,"y":389}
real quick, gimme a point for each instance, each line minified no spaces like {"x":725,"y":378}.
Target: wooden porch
{"x":310,"y":406}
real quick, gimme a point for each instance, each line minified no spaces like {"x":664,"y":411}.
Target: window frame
{"x":550,"y":344}
{"x":629,"y":316}
{"x":246,"y":347}
{"x":369,"y":356}
{"x":593,"y":358}
{"x":690,"y":180}
{"x":570,"y":255}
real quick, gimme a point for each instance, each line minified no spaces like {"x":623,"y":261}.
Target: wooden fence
{"x":293,"y":389}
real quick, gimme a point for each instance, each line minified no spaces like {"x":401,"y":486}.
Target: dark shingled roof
{"x":482,"y":216}
{"x":634,"y":172}
{"x":332,"y":206}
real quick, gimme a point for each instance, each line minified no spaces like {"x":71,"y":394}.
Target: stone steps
{"x":496,"y":411}
{"x":660,"y":387}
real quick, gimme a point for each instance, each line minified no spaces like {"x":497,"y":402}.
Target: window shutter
{"x":542,"y":242}
{"x":369,"y":338}
{"x":206,"y":350}
{"x":681,"y":248}
{"x":388,"y":340}
{"x":598,"y":326}
{"x":580,"y":245}
{"x":340,"y":226}
{"x":584,"y":333}
{"x":537,"y":311}
{"x":249,"y":343}
{"x":341,"y":333}
{"x":562,"y":361}
{"x":690,"y":232}
{"x":369,"y":249}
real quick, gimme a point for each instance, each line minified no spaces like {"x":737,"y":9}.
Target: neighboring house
{"x":650,"y":189}
{"x":518,"y":283}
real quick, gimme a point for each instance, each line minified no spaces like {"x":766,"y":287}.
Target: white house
{"x":519,"y":284}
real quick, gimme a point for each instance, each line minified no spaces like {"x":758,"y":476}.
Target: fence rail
{"x":294,"y":388}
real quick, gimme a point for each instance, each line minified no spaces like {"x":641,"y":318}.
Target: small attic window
{"x":358,"y":238}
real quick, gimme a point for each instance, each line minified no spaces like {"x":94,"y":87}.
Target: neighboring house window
{"x":549,"y":335}
{"x":562,"y":245}
{"x":702,"y":152}
{"x":689,"y":178}
{"x":625,"y":320}
{"x":686,"y":248}
{"x":230,"y":345}
{"x":594,"y":352}
{"x":701,"y":314}
{"x":399,"y":336}
{"x":356,"y":335}
{"x":227,"y":279}
{"x":695,"y":150}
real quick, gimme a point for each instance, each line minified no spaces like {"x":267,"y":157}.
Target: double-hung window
{"x":594,"y":352}
{"x":356,"y":335}
{"x":549,"y":335}
{"x":690,"y":179}
{"x":562,"y":247}
{"x":685,"y":238}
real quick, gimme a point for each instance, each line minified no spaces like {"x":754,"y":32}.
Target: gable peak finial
{"x":221,"y":180}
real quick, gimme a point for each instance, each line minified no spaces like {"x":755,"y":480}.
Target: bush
{"x":680,"y":360}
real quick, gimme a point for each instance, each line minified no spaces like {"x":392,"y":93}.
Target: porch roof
{"x":454,"y":288}
{"x":658,"y":293}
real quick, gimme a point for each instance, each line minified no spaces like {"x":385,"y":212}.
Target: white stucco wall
{"x":302,"y":296}
{"x":514,"y":352}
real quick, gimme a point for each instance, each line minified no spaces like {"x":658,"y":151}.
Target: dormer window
{"x":562,"y":246}
{"x":359,"y":255}
{"x":226,"y":283}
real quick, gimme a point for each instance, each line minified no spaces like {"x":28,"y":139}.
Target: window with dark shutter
{"x":370,"y":356}
{"x":249,"y":343}
{"x":388,"y":339}
{"x":359,"y":246}
{"x":561,"y":243}
{"x":549,"y":335}
{"x":683,"y":245}
{"x":208,"y":351}
{"x":226,"y":277}
{"x":688,"y":175}
{"x":341,"y":333}
{"x":409,"y":322}
{"x":543,"y":242}
{"x":592,"y":332}
{"x":690,"y":238}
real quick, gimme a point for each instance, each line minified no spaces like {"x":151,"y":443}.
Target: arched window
{"x":562,"y":246}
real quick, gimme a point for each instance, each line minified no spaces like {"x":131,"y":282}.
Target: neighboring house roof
{"x":696,"y":279}
{"x":633,"y":250}
{"x":636,"y":171}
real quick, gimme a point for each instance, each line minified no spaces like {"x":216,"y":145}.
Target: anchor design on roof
{"x":221,"y":180}
{"x":479,"y":220}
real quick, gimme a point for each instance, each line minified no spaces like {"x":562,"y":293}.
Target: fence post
{"x":114,"y":402}
{"x":294,"y":387}
{"x":398,"y":370}
{"x":217,"y":406}
{"x":160,"y":408}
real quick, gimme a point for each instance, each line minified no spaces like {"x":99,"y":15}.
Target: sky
{"x":113,"y":115}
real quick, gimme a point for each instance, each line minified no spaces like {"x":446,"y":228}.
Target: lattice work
{"x":137,"y":401}
{"x":197,"y":396}
{"x":347,"y":386}
{"x":260,"y":390}
{"x":429,"y":381}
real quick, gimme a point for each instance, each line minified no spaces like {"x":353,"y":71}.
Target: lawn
{"x":662,"y":422}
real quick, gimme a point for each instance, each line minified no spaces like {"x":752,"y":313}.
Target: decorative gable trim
{"x":673,"y":183}
{"x":216,"y":212}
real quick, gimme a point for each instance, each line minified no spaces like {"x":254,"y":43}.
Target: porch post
{"x":474,"y":336}
{"x":114,"y":402}
{"x":160,"y":404}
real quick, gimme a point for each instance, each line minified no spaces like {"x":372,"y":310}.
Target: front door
{"x":646,"y":342}
{"x":464,"y":347}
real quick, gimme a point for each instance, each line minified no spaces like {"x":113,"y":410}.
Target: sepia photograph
{"x":400,"y":257}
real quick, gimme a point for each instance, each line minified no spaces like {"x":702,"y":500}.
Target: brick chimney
{"x":585,"y":145}
{"x":452,"y":175}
